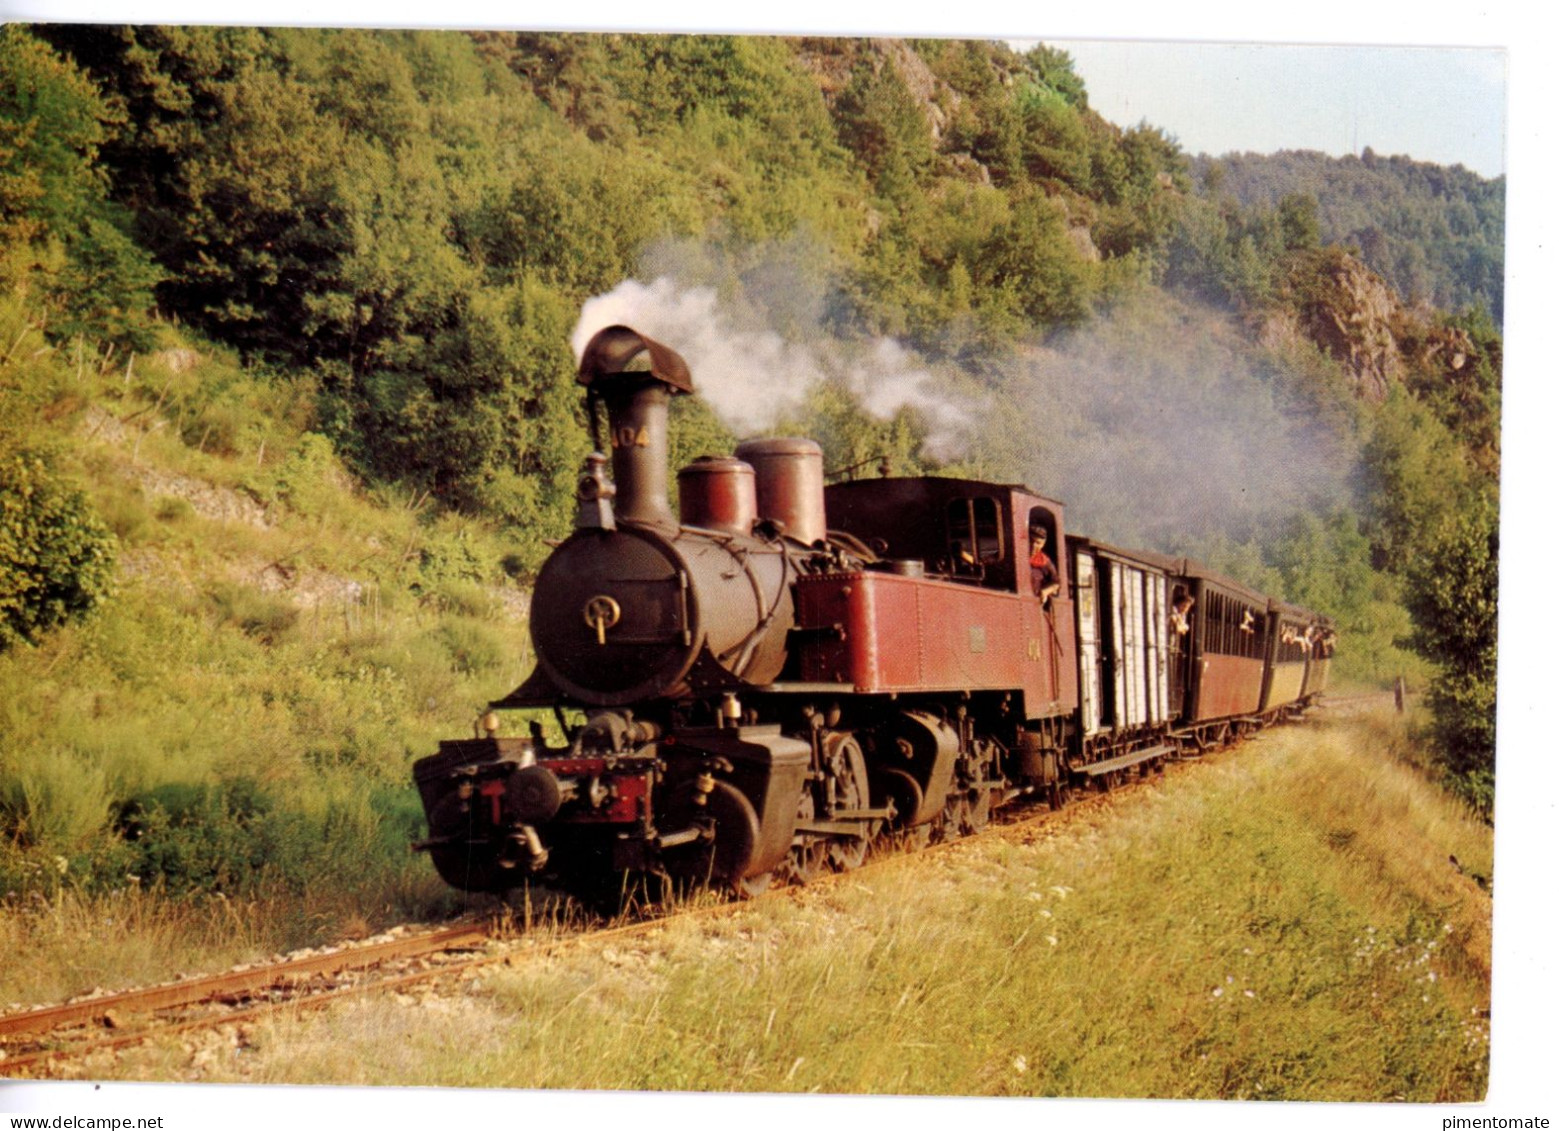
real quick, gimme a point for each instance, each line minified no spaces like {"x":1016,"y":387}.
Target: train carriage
{"x":1222,"y":654}
{"x":1318,"y":664}
{"x":1291,"y":641}
{"x":1127,"y":698}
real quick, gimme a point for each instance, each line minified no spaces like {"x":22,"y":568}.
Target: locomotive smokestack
{"x":636,"y":378}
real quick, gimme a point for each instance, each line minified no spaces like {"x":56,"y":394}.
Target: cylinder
{"x":718,"y":493}
{"x":790,"y":485}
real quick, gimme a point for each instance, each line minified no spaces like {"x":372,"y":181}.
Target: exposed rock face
{"x":832,"y":61}
{"x":1334,"y":301}
{"x":1081,"y":235}
{"x":921,"y":82}
{"x":1351,"y":313}
{"x":178,"y":361}
{"x":964,"y":165}
{"x":206,"y":499}
{"x":1445,"y":348}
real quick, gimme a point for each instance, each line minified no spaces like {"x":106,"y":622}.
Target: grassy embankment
{"x":1282,"y":923}
{"x":216,"y":764}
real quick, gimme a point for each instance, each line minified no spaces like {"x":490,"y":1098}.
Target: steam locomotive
{"x":784,"y":671}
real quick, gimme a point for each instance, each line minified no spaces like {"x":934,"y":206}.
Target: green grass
{"x":1280,"y":924}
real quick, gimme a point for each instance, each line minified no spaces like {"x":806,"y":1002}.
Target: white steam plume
{"x":1156,"y":431}
{"x":1154,"y":426}
{"x":751,"y":375}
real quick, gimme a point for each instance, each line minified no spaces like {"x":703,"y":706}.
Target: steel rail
{"x":95,"y":1041}
{"x":196,"y":990}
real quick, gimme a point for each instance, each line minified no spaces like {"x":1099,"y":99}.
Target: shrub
{"x":310,"y":480}
{"x":56,"y":557}
{"x":189,"y":836}
{"x":172,"y":508}
{"x":473,"y":647}
{"x":53,"y":801}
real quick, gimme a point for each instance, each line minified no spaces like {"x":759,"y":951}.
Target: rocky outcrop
{"x":831,"y":62}
{"x":922,"y":83}
{"x":1328,"y":298}
{"x":1443,"y":349}
{"x":1352,"y":314}
{"x":1332,"y":300}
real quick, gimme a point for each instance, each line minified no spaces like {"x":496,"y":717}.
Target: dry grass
{"x":1283,"y":923}
{"x":72,"y":943}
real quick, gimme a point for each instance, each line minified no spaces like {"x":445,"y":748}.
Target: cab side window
{"x":974,"y":536}
{"x":1044,"y":554}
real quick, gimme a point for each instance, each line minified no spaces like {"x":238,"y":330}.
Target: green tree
{"x":55,"y":214}
{"x":1416,"y":474}
{"x":885,"y":128}
{"x":1036,"y":268}
{"x":1056,"y":70}
{"x":1436,"y":234}
{"x":1457,"y":376}
{"x":1299,"y":221}
{"x":50,"y":129}
{"x":224,"y":164}
{"x":1452,"y":592}
{"x":854,"y":441}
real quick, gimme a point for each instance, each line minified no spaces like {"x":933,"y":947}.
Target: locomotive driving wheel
{"x":900,"y":787}
{"x":847,"y":768}
{"x":808,"y":858}
{"x":974,"y":813}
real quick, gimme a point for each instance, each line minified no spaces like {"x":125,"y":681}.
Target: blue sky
{"x":1439,"y":104}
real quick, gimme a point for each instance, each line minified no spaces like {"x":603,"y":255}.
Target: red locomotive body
{"x":782,"y":671}
{"x":886,"y":632}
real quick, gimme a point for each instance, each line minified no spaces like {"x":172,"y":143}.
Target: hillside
{"x":276,"y":645}
{"x":1437,"y":235}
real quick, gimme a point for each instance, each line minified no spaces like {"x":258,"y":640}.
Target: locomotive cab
{"x":960,"y":529}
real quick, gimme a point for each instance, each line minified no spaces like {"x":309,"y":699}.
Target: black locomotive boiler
{"x":766,"y":681}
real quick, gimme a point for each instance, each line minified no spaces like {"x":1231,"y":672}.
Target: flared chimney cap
{"x":619,"y":349}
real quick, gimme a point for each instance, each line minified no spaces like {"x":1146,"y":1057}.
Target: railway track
{"x":35,"y":1043}
{"x":33,"y":1038}
{"x":1351,"y":704}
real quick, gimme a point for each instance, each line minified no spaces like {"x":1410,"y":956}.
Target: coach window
{"x":1220,"y":636}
